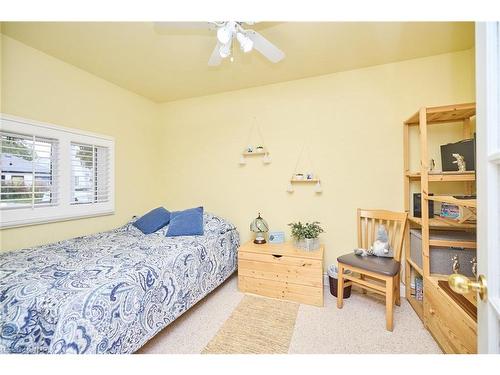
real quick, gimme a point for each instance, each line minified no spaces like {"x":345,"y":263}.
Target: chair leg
{"x":389,"y":300}
{"x":340,"y":287}
{"x":398,"y":290}
{"x":362,"y":277}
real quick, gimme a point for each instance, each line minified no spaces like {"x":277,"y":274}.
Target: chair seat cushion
{"x":380,"y":265}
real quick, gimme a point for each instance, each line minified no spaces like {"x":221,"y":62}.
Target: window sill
{"x":55,"y":219}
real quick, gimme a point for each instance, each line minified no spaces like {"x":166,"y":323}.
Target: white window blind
{"x":89,"y":174}
{"x":52,"y":173}
{"x":28,"y":171}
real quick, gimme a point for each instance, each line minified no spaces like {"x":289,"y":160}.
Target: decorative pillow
{"x":186,"y":223}
{"x":153,"y":220}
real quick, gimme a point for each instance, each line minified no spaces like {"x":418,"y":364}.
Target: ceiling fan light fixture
{"x":246,"y":43}
{"x":225,"y":50}
{"x":224,"y":34}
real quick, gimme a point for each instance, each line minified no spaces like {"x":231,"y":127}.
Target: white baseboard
{"x":402,"y":289}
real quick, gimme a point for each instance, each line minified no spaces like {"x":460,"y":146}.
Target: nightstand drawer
{"x":282,"y":290}
{"x":275,"y":270}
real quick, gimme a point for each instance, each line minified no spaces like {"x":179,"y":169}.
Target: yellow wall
{"x":351,"y":122}
{"x":37,"y":86}
{"x":185,"y":153}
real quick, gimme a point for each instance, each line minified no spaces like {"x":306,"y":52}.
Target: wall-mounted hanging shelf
{"x":304,"y":178}
{"x":317,"y":188}
{"x":313,"y":180}
{"x":254,"y":153}
{"x":259,"y":150}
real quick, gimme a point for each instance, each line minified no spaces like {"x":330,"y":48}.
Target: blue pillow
{"x":186,"y":223}
{"x":153,"y":220}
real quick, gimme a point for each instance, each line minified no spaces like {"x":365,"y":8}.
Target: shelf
{"x":445,"y":176}
{"x":470,"y":245}
{"x":445,"y":114}
{"x":316,"y":180}
{"x":440,"y":222}
{"x":452,"y":200}
{"x":246,"y":153}
{"x":415,"y":267}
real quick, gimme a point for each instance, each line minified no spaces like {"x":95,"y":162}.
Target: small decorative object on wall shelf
{"x":309,"y":177}
{"x":306,"y":235}
{"x":259,"y":150}
{"x":260,"y":228}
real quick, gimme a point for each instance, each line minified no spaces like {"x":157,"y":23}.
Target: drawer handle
{"x":277,"y":256}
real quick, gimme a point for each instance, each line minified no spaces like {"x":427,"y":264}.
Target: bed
{"x":109,"y":292}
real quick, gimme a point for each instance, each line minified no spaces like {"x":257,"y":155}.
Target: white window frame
{"x":63,"y":210}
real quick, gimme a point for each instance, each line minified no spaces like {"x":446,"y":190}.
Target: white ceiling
{"x":165,"y":67}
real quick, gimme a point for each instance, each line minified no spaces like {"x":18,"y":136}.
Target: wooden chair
{"x":378,"y":274}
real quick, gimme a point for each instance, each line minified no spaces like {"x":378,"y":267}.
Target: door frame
{"x":488,"y":181}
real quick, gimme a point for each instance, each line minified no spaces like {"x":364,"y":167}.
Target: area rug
{"x":258,"y":325}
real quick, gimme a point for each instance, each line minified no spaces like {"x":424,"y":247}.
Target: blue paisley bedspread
{"x":109,"y":292}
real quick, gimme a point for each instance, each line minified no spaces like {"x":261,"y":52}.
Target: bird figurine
{"x":474,"y":266}
{"x":460,"y":162}
{"x":456,"y":264}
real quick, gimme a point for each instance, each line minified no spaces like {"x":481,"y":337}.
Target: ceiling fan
{"x":227,"y":32}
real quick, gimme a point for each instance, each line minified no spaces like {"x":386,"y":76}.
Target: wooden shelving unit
{"x":444,"y":176}
{"x":436,"y":309}
{"x":440,"y":222}
{"x":453,"y":200}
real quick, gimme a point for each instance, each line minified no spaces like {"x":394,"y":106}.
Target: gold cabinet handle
{"x":462,"y":284}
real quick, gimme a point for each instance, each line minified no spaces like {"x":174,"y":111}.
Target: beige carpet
{"x":357,"y":328}
{"x":257,"y":326}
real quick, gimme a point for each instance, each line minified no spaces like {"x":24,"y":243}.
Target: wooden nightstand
{"x":281,"y":271}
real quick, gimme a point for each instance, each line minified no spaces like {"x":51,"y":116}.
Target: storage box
{"x":441,"y":257}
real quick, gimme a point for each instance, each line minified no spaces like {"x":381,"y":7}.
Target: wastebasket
{"x":333,"y":280}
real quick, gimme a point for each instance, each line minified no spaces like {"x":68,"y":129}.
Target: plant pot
{"x":307,"y":244}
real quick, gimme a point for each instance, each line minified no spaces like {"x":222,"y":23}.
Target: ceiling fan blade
{"x":166,"y":27}
{"x":265,"y":47}
{"x":215,"y":58}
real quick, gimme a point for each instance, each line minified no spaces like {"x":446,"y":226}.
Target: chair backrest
{"x":395,"y":223}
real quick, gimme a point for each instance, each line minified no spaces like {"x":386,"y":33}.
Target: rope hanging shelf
{"x":259,"y":150}
{"x":310,"y":177}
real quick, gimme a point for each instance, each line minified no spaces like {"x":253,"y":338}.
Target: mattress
{"x":109,"y":292}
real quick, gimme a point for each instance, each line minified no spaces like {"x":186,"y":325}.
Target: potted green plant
{"x":306,"y":235}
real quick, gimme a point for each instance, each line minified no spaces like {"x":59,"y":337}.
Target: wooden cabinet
{"x":454,"y":330}
{"x":281,"y":271}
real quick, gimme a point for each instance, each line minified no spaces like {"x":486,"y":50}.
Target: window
{"x":28,"y":165}
{"x":50,"y":173}
{"x":90,"y":174}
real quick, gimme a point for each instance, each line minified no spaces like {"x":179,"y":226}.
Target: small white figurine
{"x":455,"y":267}
{"x":474,"y":266}
{"x":460,"y":162}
